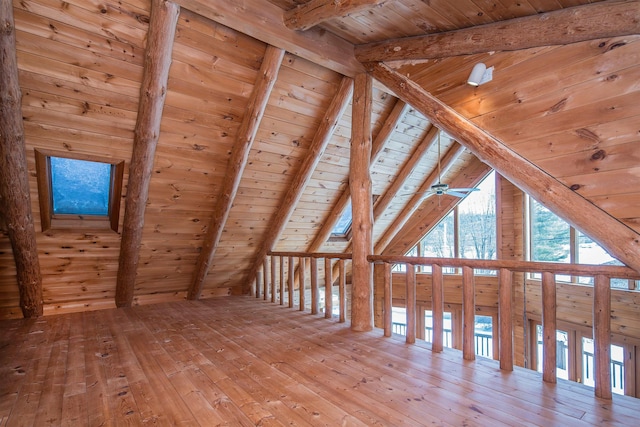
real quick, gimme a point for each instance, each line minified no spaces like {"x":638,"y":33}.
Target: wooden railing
{"x":272,"y":286}
{"x":505,"y":269}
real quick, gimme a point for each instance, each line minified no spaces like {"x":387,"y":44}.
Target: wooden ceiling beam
{"x":15,"y":197}
{"x":384,"y":134}
{"x":619,"y":240}
{"x":323,"y":135}
{"x":405,"y":172}
{"x":264,"y":21}
{"x":445,"y":163}
{"x":314,"y":12}
{"x":153,"y":90}
{"x":239,"y":155}
{"x":571,"y":25}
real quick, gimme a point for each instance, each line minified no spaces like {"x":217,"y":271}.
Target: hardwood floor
{"x":242,"y":361}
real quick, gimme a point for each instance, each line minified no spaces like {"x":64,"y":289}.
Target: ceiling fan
{"x":441,"y":189}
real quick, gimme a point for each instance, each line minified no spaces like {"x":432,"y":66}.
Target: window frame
{"x":51,"y":221}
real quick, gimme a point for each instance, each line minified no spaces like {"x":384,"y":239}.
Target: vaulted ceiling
{"x":567,"y":108}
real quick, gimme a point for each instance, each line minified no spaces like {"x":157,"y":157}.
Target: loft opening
{"x":77,"y":191}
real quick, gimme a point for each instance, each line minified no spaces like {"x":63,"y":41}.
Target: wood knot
{"x":575,"y":187}
{"x":598,"y":155}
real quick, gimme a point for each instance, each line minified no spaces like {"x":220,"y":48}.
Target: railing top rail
{"x":610,"y":271}
{"x":312,"y":255}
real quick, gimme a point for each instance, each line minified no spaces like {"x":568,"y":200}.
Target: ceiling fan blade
{"x":465,"y":189}
{"x":456,"y":193}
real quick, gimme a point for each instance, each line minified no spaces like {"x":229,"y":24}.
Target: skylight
{"x":80,"y":187}
{"x":78,"y":192}
{"x":344,"y":223}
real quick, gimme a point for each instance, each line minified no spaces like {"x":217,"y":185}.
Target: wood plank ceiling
{"x":570,"y":109}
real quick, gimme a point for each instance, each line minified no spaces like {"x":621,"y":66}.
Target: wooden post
{"x":411,"y":303}
{"x":314,"y":286}
{"x":388,"y":301}
{"x":437,"y":309}
{"x":549,"y":327}
{"x":301,"y":271}
{"x":273,"y":279}
{"x":342,"y":291}
{"x":362,"y":218}
{"x":281,"y":280}
{"x":290,"y":282}
{"x":15,"y":198}
{"x":468,"y":314}
{"x":153,"y":91}
{"x":602,"y":336}
{"x":328,"y":292}
{"x":505,"y":319}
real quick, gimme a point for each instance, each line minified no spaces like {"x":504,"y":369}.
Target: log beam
{"x":619,"y":240}
{"x":15,"y":198}
{"x":240,"y":153}
{"x":565,"y":26}
{"x":405,"y":172}
{"x":314,"y":12}
{"x":362,"y":223}
{"x":264,"y":21}
{"x":323,"y":135}
{"x":162,"y":28}
{"x":390,"y":124}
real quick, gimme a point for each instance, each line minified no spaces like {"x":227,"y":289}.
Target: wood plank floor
{"x":241,"y":361}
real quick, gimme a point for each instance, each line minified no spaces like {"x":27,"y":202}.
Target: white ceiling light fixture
{"x":480,"y":74}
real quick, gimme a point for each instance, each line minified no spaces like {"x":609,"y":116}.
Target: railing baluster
{"x":281,"y":280}
{"x":265,"y":268}
{"x":549,"y":327}
{"x":314,"y":286}
{"x":468,"y":314}
{"x":505,"y":318}
{"x":290,"y":282}
{"x":259,"y":275}
{"x":411,"y":303}
{"x":602,"y":336}
{"x":273,"y":279}
{"x":387,"y":307}
{"x":328,"y":293}
{"x":437,"y":309}
{"x":342,"y":292}
{"x":302,"y":279}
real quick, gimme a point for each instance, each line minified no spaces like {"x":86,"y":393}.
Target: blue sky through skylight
{"x":80,"y":187}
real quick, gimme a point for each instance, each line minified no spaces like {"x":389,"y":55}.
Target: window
{"x":553,"y":240}
{"x":468,"y":231}
{"x":343,"y":226}
{"x":80,"y":191}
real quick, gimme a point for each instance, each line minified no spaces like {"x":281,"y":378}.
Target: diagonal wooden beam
{"x":445,"y":163}
{"x":15,"y":198}
{"x":314,"y":12}
{"x":162,"y":28}
{"x":391,"y":123}
{"x":240,"y":153}
{"x":619,"y":240}
{"x":405,"y":171}
{"x":264,"y":21}
{"x":571,"y":25}
{"x":323,"y":135}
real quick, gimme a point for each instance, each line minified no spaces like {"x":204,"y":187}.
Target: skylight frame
{"x":51,"y":221}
